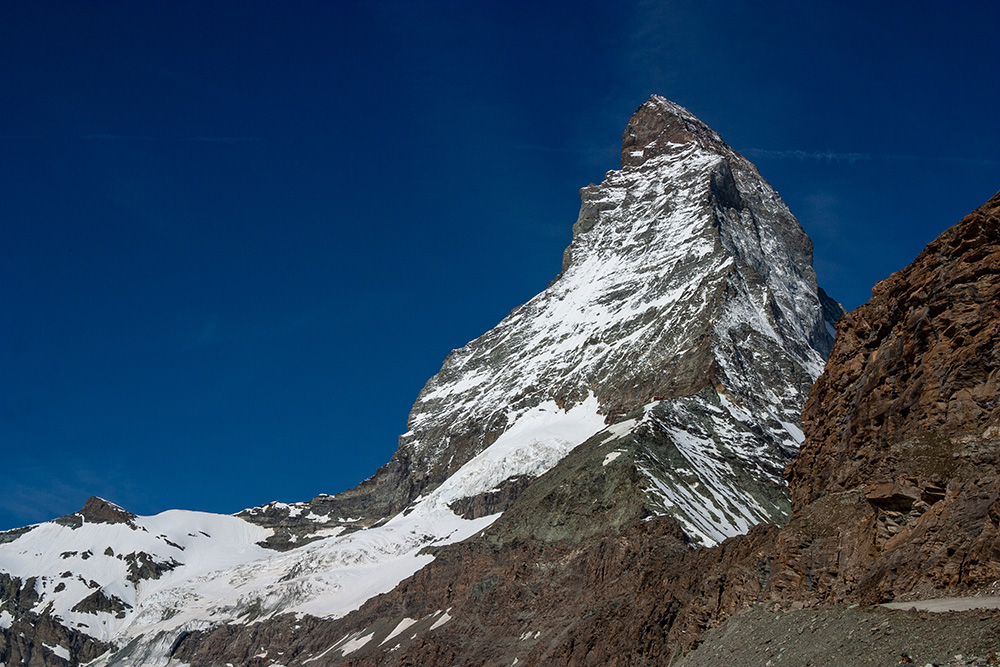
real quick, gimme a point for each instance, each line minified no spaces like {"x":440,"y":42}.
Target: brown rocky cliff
{"x":921,"y":357}
{"x":896,"y":491}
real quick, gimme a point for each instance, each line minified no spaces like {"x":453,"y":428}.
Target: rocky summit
{"x":597,"y":479}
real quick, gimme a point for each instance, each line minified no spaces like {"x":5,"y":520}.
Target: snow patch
{"x":532,"y":445}
{"x":616,"y":431}
{"x":401,"y":627}
{"x":353,"y":645}
{"x":441,"y":621}
{"x":794,"y":431}
{"x":321,"y":655}
{"x":58,"y":651}
{"x":330,"y":532}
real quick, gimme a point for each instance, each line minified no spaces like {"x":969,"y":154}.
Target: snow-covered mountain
{"x":672,"y":354}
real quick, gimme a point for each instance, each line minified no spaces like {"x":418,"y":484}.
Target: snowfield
{"x":221,"y":575}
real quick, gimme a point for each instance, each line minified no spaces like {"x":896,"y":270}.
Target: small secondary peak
{"x":99,"y":510}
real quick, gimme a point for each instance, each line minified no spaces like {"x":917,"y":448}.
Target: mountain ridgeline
{"x":569,"y":483}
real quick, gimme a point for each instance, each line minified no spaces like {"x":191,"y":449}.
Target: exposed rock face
{"x":97,"y":510}
{"x":920,"y":358}
{"x":99,"y":601}
{"x":29,"y":636}
{"x":897,"y":486}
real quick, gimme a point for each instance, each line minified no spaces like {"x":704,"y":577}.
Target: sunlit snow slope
{"x":203,"y":569}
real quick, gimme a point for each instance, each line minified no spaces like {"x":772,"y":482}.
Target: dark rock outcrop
{"x":43,"y":641}
{"x":33,"y":637}
{"x":97,"y":510}
{"x":99,"y":601}
{"x":143,"y":566}
{"x":651,"y":133}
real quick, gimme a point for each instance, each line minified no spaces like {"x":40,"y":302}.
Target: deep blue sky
{"x":238,"y":237}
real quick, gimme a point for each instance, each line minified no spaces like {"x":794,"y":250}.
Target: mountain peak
{"x":660,"y":127}
{"x":662,"y":374}
{"x":99,"y":510}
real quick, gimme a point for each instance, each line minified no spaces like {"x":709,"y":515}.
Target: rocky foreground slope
{"x":895,"y":497}
{"x":896,"y":491}
{"x":898,"y":484}
{"x":651,"y":392}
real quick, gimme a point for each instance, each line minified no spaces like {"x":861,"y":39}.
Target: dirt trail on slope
{"x":855,"y":636}
{"x":948,"y":604}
